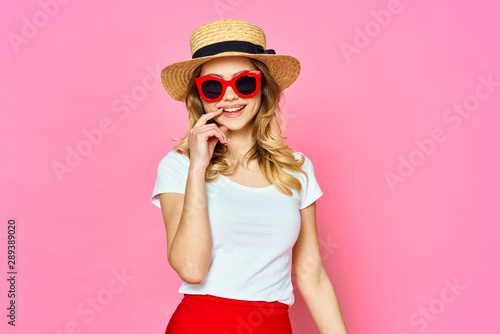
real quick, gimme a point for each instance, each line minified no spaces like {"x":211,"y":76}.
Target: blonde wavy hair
{"x":270,"y":149}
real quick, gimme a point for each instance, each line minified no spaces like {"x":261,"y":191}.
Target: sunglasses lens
{"x":246,"y":85}
{"x":211,"y":89}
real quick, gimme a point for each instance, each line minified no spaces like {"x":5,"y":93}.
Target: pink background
{"x":392,"y":250}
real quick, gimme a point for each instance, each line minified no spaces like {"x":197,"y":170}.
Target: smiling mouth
{"x":233,"y":110}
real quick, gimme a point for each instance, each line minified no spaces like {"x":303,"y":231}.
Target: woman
{"x":237,"y":202}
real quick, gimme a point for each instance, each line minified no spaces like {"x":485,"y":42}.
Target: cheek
{"x":257,"y":102}
{"x":207,"y":106}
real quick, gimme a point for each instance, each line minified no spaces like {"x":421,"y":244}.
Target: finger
{"x":210,"y":126}
{"x":223,"y":128}
{"x":208,"y":131}
{"x":221,"y":136}
{"x":205,"y":117}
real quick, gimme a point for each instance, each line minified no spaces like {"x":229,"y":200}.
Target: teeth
{"x":233,"y":109}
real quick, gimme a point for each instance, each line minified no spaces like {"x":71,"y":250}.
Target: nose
{"x":229,"y":94}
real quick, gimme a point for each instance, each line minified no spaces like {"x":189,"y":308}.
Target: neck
{"x":241,"y":141}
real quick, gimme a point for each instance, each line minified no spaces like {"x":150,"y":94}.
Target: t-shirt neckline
{"x":228,"y":180}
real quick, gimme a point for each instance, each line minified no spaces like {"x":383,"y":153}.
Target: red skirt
{"x":207,"y":314}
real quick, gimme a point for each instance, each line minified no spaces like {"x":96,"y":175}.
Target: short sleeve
{"x":312,"y":191}
{"x":171,"y":176}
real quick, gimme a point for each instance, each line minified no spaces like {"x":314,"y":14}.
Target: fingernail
{"x":229,"y":141}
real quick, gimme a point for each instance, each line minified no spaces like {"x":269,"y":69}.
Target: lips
{"x":233,"y":114}
{"x":234,"y":109}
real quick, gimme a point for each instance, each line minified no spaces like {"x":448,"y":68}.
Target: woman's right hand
{"x":203,"y":138}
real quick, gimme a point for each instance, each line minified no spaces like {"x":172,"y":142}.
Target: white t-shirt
{"x":253,"y":232}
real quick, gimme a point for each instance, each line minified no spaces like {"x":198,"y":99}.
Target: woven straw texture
{"x":175,"y":77}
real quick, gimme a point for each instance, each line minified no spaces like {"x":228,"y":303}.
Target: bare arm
{"x":312,"y":280}
{"x":189,"y":240}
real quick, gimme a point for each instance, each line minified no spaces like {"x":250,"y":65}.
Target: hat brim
{"x":175,"y":77}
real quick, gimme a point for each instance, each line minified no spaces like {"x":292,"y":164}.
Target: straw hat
{"x":228,"y":37}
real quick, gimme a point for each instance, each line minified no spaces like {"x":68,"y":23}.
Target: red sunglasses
{"x":212,"y":88}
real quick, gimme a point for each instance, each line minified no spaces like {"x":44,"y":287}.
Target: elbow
{"x":188,"y":272}
{"x":192,"y":279}
{"x":192,"y":276}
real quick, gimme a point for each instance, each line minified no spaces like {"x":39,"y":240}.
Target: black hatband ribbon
{"x":227,"y":46}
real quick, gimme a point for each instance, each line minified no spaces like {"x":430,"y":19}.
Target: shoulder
{"x":299,"y":156}
{"x":174,"y":160}
{"x":174,"y":156}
